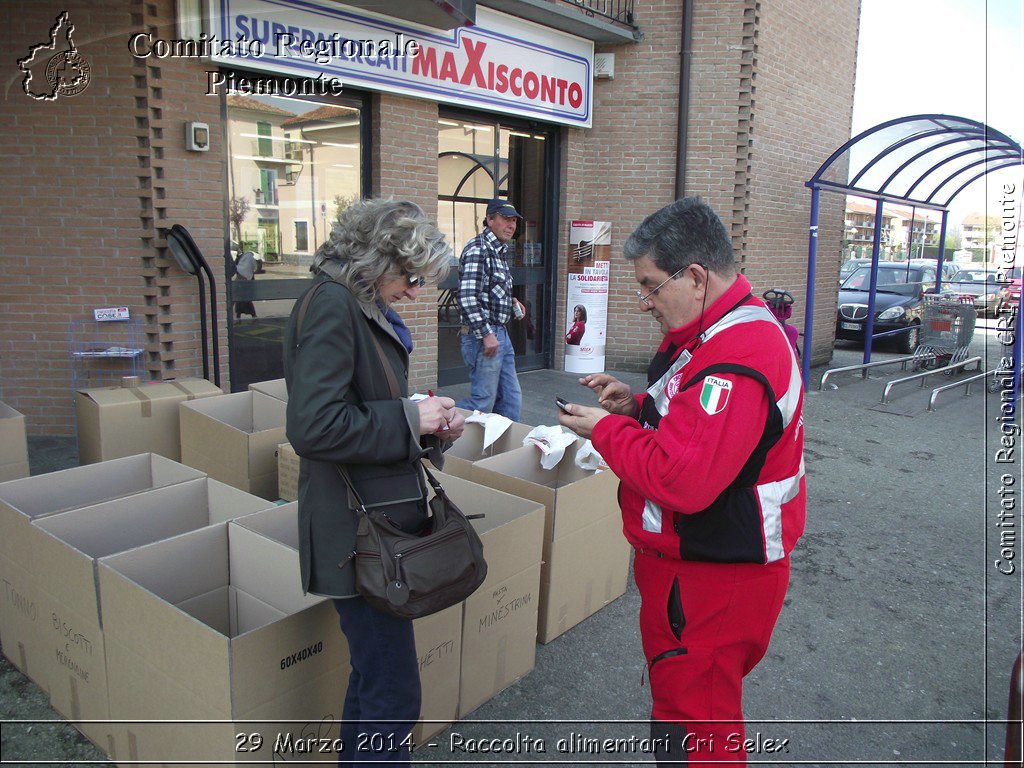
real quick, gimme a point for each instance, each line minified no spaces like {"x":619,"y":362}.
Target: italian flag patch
{"x":714,"y":395}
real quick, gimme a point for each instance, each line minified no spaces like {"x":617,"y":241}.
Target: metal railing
{"x":925,"y":374}
{"x":863,"y":367}
{"x":620,"y":11}
{"x":965,"y":383}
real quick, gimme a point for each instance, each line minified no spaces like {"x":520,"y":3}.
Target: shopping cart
{"x":947,"y":327}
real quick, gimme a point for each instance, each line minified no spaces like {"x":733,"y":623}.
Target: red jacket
{"x":712,"y":468}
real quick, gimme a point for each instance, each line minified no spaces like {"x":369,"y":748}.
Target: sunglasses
{"x":416,"y":281}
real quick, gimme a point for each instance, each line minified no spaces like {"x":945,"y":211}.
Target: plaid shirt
{"x":485,"y":284}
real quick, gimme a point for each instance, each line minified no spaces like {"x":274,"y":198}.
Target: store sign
{"x":502,"y":63}
{"x":586,"y":309}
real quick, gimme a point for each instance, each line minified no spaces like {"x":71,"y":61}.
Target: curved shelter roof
{"x":924,"y":160}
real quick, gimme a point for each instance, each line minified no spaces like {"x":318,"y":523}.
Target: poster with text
{"x":586,"y":309}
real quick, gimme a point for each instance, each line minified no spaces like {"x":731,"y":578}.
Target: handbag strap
{"x":439,"y":491}
{"x":389,"y":372}
{"x":305,"y":306}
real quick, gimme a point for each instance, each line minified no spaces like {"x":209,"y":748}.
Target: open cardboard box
{"x":274,"y":388}
{"x":499,"y":624}
{"x":123,"y":421}
{"x":438,"y":637}
{"x":72,"y":638}
{"x":586,"y":557}
{"x":234,"y":439}
{"x":287,"y":472}
{"x":13,"y":445}
{"x":470,"y":446}
{"x":22,"y":621}
{"x":212,"y":625}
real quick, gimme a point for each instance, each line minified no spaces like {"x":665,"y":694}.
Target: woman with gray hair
{"x":342,"y":414}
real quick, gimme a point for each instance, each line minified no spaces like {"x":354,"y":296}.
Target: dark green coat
{"x":340,"y":411}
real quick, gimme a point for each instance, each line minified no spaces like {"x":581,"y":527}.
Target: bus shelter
{"x":920,"y":161}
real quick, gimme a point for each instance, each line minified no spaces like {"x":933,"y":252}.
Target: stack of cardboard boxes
{"x":135,"y":418}
{"x":234,"y":439}
{"x":140,"y":588}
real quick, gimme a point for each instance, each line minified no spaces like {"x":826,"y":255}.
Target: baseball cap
{"x":504,"y":207}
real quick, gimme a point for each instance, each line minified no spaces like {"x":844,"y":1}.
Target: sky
{"x":954,"y":57}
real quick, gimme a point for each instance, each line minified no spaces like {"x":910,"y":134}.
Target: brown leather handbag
{"x":410,"y":575}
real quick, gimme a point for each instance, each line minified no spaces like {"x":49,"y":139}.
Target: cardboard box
{"x":499,"y":625}
{"x":274,"y":388}
{"x":71,"y":543}
{"x":439,"y":653}
{"x":586,"y":557}
{"x":279,"y":523}
{"x":470,"y":446}
{"x":234,"y":439}
{"x":287,"y":472}
{"x":438,"y":637}
{"x":230,"y":638}
{"x":123,"y":421}
{"x":22,"y":621}
{"x":13,"y":445}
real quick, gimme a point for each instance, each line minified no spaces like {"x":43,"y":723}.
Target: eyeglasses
{"x":645,"y":299}
{"x":416,"y":281}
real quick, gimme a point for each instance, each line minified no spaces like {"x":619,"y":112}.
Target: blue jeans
{"x":383,"y":699}
{"x":495,"y":386}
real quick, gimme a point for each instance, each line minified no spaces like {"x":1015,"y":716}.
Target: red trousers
{"x":704,"y":626}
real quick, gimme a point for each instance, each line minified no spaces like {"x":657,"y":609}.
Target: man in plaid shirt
{"x":486,"y":305}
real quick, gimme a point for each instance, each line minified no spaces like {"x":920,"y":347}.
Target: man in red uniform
{"x":712,"y":488}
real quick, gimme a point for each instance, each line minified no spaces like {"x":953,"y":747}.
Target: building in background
{"x":607,"y":112}
{"x":982,"y":237}
{"x":906,"y":232}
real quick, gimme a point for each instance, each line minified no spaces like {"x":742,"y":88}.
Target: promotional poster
{"x":586,"y":309}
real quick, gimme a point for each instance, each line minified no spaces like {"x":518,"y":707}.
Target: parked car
{"x":980,"y":284}
{"x":850,"y":266}
{"x":1010,"y":295}
{"x":900,"y":290}
{"x":949,"y":267}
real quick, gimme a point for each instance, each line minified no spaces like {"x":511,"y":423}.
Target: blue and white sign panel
{"x":502,"y":63}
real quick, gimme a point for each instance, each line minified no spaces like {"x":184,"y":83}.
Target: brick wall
{"x":771,"y":93}
{"x":405,"y":167}
{"x":92,"y":178}
{"x":806,"y":54}
{"x":178,"y":186}
{"x":622,"y":169}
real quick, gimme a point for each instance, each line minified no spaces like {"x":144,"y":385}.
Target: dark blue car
{"x":899,"y":294}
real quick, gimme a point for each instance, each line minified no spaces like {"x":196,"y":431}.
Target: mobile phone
{"x":562,"y":403}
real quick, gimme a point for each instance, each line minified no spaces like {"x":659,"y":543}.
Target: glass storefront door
{"x":293,"y":164}
{"x":480,"y":158}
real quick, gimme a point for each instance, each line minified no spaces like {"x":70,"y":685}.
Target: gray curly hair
{"x":379,"y":237}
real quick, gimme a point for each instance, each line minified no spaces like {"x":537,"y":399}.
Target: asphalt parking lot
{"x":895,"y":644}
